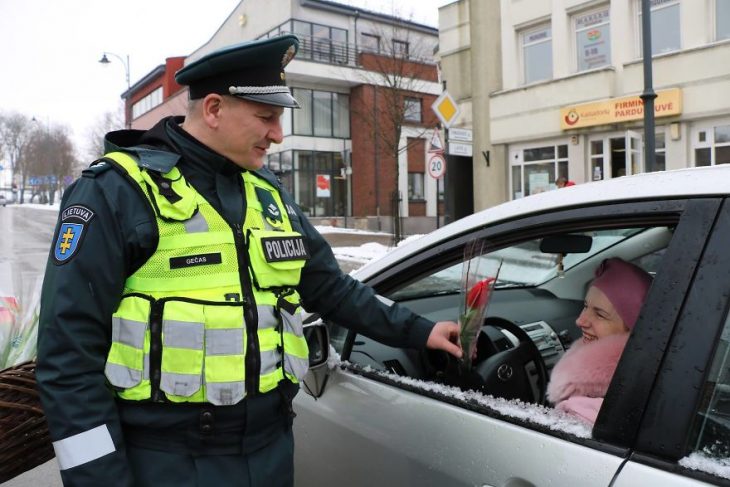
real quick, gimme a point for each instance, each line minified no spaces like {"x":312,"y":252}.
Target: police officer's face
{"x":248,"y":129}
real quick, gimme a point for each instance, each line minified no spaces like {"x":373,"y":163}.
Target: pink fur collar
{"x":586,"y":369}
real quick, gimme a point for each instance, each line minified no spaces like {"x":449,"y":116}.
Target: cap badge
{"x":288,"y":55}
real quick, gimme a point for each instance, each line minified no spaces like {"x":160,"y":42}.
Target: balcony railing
{"x":328,"y":51}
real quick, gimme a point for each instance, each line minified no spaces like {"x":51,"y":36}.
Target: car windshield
{"x":522,"y":265}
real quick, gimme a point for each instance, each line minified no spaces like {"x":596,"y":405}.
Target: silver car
{"x":382,"y":416}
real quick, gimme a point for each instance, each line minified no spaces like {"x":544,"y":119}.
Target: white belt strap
{"x":83,"y":447}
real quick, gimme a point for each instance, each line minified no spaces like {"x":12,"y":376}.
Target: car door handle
{"x":514,"y":482}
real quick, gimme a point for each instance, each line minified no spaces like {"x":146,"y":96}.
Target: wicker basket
{"x":24,"y":440}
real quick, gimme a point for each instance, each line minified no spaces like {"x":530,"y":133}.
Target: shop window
{"x":412,"y":109}
{"x":712,"y":146}
{"x":722,"y":19}
{"x":537,"y":55}
{"x":593,"y":39}
{"x":665,"y":26}
{"x":369,"y":42}
{"x":316,"y":181}
{"x":415,"y":186}
{"x":539,"y":169}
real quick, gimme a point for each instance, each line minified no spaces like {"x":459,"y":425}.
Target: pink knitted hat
{"x":625,"y":285}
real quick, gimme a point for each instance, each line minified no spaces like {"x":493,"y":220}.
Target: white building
{"x":565,"y":100}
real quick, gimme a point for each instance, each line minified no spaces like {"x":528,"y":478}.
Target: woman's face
{"x":599,"y":318}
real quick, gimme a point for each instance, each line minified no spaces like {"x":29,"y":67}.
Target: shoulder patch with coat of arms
{"x":72,"y":229}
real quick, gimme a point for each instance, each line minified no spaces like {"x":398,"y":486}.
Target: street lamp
{"x":105,"y":60}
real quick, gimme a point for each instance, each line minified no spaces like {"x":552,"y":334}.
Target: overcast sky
{"x":49,"y":49}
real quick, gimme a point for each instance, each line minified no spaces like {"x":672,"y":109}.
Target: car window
{"x":522,"y":265}
{"x":711,"y":431}
{"x":532,"y":292}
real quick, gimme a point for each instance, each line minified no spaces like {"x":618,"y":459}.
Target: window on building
{"x":303,"y":31}
{"x":340,"y":115}
{"x":322,"y":108}
{"x":712,"y":146}
{"x":400,"y":48}
{"x":147,"y":103}
{"x":322,"y":113}
{"x":415,"y":186}
{"x":303,"y":115}
{"x":369,"y":42}
{"x":319,"y":42}
{"x":538,"y":168}
{"x":340,"y":49}
{"x":412,"y":109}
{"x":537,"y":54}
{"x":664,"y":26}
{"x":722,"y":19}
{"x":314,"y":179}
{"x":593,"y":39}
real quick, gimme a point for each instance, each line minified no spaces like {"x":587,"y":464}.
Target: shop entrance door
{"x":616,"y":155}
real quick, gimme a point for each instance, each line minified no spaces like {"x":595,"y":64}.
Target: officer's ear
{"x":211,"y":109}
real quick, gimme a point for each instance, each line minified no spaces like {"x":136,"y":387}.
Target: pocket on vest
{"x":182,"y":356}
{"x":276,"y":257}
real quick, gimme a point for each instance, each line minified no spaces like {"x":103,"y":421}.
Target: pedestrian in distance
{"x":170,"y":344}
{"x":563,"y":182}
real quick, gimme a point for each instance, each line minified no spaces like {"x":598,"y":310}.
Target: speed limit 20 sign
{"x":437,"y":166}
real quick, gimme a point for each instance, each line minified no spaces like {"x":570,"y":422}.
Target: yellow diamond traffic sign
{"x":446,"y":109}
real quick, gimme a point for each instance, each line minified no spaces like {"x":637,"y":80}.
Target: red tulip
{"x":479,"y":294}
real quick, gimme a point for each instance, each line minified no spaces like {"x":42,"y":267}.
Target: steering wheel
{"x":504,"y":374}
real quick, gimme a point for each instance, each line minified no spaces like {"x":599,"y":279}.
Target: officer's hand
{"x":445,"y":336}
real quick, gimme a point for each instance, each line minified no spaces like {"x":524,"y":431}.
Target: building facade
{"x":355,"y":153}
{"x":567,"y":103}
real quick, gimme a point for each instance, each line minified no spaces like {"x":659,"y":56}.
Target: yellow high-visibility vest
{"x":186,"y":329}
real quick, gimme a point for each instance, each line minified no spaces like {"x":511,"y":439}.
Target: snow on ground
{"x":36,"y":206}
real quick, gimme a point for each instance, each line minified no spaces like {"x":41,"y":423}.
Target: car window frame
{"x":689,"y":215}
{"x":709,"y":299}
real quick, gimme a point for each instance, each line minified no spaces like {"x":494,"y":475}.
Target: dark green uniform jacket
{"x":80,"y":294}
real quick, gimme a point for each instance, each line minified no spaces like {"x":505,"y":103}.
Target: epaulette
{"x":96,"y":168}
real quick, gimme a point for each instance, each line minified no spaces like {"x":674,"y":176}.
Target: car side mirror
{"x":318,"y":340}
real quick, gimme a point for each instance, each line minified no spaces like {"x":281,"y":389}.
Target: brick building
{"x":365,"y":82}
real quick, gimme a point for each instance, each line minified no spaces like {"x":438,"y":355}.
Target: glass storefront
{"x":316,"y":179}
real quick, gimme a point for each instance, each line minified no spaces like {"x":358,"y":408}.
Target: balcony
{"x":328,"y":51}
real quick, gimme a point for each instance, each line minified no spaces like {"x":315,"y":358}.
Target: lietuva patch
{"x":279,"y":249}
{"x":74,"y":222}
{"x":195,"y":260}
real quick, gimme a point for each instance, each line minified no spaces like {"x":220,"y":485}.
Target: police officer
{"x":170,"y":344}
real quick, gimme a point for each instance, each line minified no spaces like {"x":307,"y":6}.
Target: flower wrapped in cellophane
{"x":479,"y":274}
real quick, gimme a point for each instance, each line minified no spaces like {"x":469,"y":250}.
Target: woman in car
{"x":580,"y":379}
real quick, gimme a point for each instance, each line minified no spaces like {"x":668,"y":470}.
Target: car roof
{"x":693,"y":182}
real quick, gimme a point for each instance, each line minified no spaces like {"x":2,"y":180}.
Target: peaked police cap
{"x":251,"y":70}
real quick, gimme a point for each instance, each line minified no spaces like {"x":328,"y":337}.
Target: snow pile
{"x":534,"y":413}
{"x":705,"y":463}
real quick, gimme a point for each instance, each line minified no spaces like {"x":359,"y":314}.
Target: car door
{"x":375,"y":424}
{"x":692,"y":389}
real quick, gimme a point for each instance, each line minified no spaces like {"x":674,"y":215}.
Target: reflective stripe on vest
{"x":194,"y":279}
